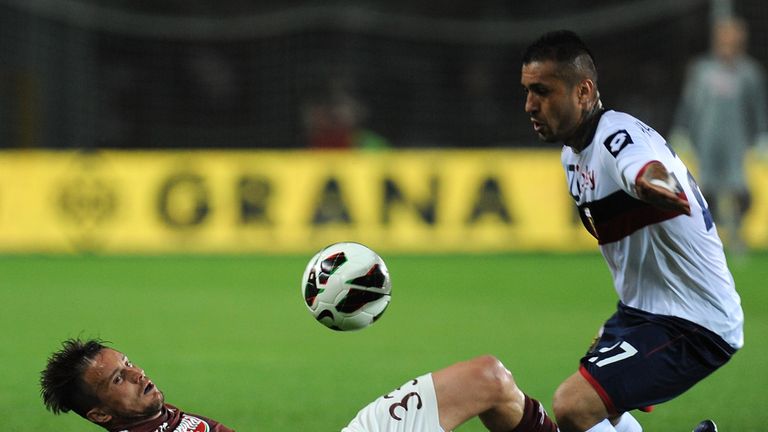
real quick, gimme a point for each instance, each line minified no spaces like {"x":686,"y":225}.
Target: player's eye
{"x":118,"y":379}
{"x":537,"y":90}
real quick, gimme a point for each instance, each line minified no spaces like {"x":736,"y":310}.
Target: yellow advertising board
{"x":297,"y":201}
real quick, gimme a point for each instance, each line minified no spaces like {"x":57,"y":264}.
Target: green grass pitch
{"x":229,"y":337}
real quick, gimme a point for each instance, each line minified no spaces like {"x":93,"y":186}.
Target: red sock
{"x":535,"y":418}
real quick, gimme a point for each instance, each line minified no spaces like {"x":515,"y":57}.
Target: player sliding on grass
{"x":679,"y":316}
{"x":103,"y":386}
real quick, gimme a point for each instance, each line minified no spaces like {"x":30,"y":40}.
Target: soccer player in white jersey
{"x":679,"y":317}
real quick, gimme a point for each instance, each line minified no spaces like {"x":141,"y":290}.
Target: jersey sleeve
{"x":626,"y":149}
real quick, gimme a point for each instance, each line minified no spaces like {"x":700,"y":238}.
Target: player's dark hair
{"x":61,"y":382}
{"x":568,"y":50}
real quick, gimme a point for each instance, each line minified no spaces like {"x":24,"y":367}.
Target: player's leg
{"x":626,"y":423}
{"x":640,"y":360}
{"x":474,"y":387}
{"x":743,"y":201}
{"x":578,"y":407}
{"x":484,"y":387}
{"x":727,"y":217}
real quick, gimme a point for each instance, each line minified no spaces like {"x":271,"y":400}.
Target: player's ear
{"x":98,"y":416}
{"x":586,"y":90}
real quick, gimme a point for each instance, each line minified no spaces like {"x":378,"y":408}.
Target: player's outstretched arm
{"x":655,"y":186}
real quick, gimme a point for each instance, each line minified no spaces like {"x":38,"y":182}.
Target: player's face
{"x":729,"y":40}
{"x":124,"y":391}
{"x":552,"y":104}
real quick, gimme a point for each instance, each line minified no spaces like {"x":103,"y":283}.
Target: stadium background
{"x":159,"y":188}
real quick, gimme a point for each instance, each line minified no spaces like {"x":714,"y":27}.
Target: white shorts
{"x":411,"y":407}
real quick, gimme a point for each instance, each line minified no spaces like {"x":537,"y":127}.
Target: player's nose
{"x":137,"y":374}
{"x":531,"y":103}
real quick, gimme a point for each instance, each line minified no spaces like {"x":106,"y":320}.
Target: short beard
{"x":149,"y":412}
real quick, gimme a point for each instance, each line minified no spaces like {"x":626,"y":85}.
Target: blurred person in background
{"x":334,"y":120}
{"x":721,"y":114}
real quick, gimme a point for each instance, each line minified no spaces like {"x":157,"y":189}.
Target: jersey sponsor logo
{"x":617,"y":142}
{"x":579,"y":179}
{"x":192,"y":424}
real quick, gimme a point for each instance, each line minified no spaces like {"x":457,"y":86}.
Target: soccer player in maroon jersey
{"x":103,"y":386}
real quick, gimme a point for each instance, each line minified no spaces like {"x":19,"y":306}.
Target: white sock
{"x":603,"y":426}
{"x":627,"y":423}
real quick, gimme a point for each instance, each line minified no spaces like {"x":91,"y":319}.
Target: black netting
{"x":141,"y":75}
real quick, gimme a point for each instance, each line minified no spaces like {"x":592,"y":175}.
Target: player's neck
{"x":587,"y":127}
{"x":129,"y":423}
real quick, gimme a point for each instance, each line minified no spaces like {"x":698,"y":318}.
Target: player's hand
{"x":657,"y":187}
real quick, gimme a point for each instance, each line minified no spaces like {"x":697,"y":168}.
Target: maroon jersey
{"x":174,"y":420}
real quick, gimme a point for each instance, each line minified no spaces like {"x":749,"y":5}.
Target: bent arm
{"x":655,"y":186}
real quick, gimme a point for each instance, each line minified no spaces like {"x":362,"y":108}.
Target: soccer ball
{"x":346,"y":286}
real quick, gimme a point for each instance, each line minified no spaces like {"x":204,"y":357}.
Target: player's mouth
{"x":148,"y":389}
{"x":537,"y":125}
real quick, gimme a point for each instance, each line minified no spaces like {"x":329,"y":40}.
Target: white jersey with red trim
{"x":662,"y":262}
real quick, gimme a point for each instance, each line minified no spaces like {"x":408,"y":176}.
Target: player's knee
{"x":497,"y":381}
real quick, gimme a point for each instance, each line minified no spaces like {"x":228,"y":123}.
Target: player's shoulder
{"x":753,"y":67}
{"x":704,"y":61}
{"x":618,"y":129}
{"x":612,"y":120}
{"x":566,"y":153}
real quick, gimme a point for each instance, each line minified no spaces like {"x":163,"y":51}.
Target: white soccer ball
{"x":346,"y":286}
